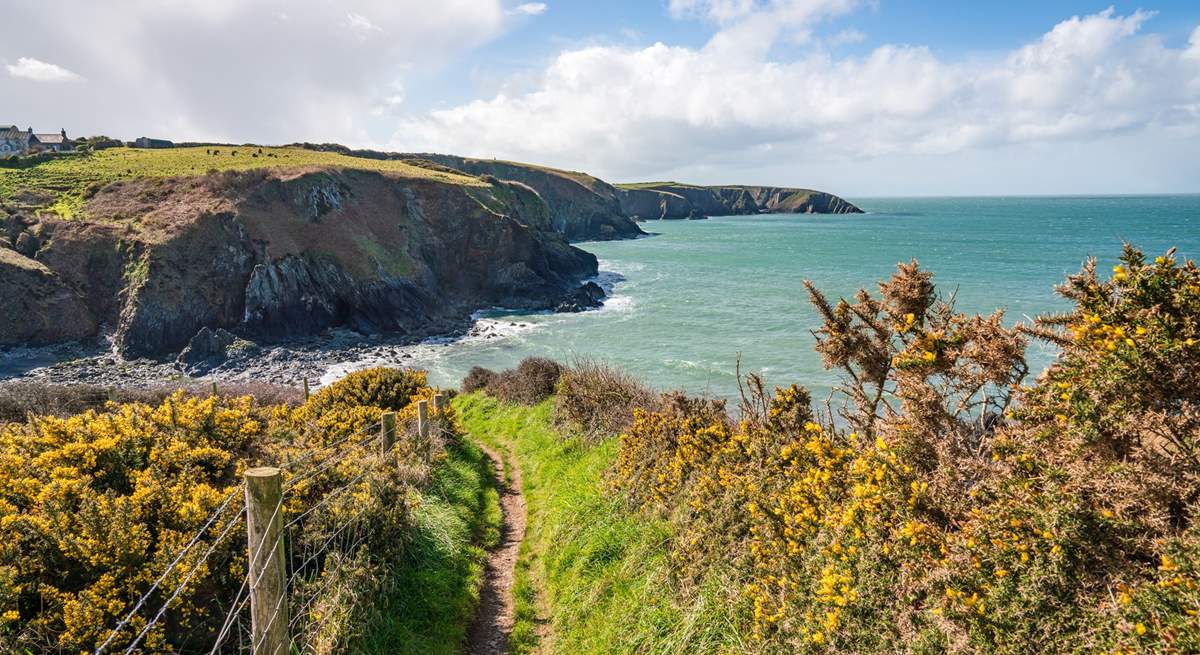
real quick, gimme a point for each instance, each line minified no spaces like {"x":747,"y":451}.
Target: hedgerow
{"x":94,"y":506}
{"x":944,"y":507}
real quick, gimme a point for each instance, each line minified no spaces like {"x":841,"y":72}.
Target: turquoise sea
{"x":688,"y":300}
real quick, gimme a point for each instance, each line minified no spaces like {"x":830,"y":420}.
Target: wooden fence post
{"x":214,"y":388}
{"x":387,"y":432}
{"x":268,"y":576}
{"x":423,"y":419}
{"x":439,"y":403}
{"x":306,"y":389}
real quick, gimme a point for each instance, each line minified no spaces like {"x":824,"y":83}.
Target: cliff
{"x":279,"y":252}
{"x":672,"y":200}
{"x":582,"y":207}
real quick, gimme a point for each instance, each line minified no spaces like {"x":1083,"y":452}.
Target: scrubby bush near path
{"x":93,"y":507}
{"x":531,"y":382}
{"x":477,"y":379}
{"x":948,"y":508}
{"x":597,"y":399}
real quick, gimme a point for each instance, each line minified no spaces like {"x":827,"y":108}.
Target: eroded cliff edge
{"x":673,"y":200}
{"x":278,"y":253}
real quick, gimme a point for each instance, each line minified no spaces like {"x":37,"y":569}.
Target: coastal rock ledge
{"x":279,"y":253}
{"x":673,"y":200}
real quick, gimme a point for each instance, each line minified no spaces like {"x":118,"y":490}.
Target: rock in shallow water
{"x":589,"y":295}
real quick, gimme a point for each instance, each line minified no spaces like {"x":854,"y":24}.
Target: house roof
{"x":51,"y":138}
{"x":11,"y":132}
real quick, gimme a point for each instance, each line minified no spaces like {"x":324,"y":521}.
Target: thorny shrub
{"x":597,"y":400}
{"x":531,"y":382}
{"x":946,"y":508}
{"x":94,"y":506}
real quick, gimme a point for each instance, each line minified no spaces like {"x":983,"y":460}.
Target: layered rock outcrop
{"x":672,"y":200}
{"x":582,"y":207}
{"x":284,"y":253}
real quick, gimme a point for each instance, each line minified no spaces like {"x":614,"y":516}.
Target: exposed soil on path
{"x":494,"y":619}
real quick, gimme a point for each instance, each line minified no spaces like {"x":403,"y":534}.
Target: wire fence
{"x":301,"y":547}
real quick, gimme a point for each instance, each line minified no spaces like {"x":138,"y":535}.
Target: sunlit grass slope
{"x":71,"y":178}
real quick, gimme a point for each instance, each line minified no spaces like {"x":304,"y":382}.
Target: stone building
{"x":56,"y":142}
{"x":147,"y":142}
{"x":14,"y":140}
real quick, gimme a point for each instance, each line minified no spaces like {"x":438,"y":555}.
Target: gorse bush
{"x":947,"y":508}
{"x":94,"y":506}
{"x":385,"y":388}
{"x":19,"y":399}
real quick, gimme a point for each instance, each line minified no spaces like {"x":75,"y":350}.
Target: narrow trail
{"x":493,"y":622}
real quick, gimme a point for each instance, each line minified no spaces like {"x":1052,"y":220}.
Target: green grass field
{"x":70,"y":178}
{"x":428,"y":605}
{"x":604,"y":572}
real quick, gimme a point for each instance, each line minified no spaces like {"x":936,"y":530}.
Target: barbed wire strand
{"x":327,"y":497}
{"x":328,"y":541}
{"x":309,"y":455}
{"x":178,"y":558}
{"x":258,"y":550}
{"x":235,"y":610}
{"x":360,"y":536}
{"x":178,"y":590}
{"x":328,"y":463}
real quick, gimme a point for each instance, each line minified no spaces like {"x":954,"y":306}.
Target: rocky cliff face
{"x":670,"y":200}
{"x":276,"y":254}
{"x":582,"y":207}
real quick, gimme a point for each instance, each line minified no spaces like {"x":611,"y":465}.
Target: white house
{"x":15,"y":141}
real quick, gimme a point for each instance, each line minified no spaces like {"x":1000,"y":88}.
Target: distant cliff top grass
{"x":71,"y":178}
{"x":659,"y":186}
{"x":654,"y":185}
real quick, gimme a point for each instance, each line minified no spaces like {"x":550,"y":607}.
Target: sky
{"x":858,"y":97}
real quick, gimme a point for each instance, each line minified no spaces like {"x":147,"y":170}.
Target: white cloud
{"x":34,"y":69}
{"x":529,"y":9}
{"x":238,"y":70}
{"x":633,"y":112}
{"x":361,"y":24}
{"x":1193,"y":51}
{"x":846,"y":36}
{"x":721,"y":11}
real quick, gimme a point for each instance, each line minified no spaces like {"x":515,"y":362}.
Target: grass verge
{"x":429,"y":605}
{"x":604,"y":572}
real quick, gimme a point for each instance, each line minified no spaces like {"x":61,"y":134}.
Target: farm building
{"x":14,"y":140}
{"x":147,"y":142}
{"x":56,"y":142}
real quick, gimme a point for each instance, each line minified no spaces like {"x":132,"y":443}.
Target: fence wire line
{"x":238,"y":606}
{"x":240,"y":602}
{"x":328,"y":541}
{"x":329,"y":463}
{"x":329,"y":580}
{"x":331,"y":446}
{"x":178,"y":590}
{"x":331,"y":495}
{"x":235,"y":611}
{"x":141,"y":601}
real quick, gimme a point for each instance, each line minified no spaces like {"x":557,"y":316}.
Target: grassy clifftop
{"x":68,"y":181}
